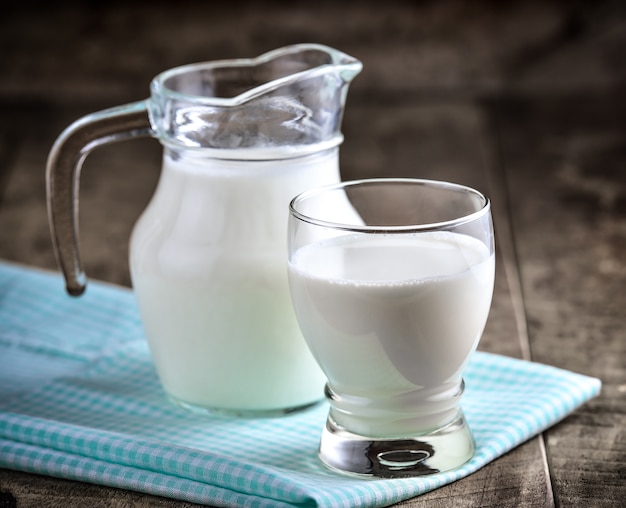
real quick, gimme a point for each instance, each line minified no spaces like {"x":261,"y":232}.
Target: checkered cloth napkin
{"x":79,"y":399}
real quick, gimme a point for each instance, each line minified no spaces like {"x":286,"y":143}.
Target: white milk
{"x":393,"y":319}
{"x":209,"y":267}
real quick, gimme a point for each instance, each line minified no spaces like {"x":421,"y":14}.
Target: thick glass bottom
{"x":442,"y":450}
{"x":239,"y":413}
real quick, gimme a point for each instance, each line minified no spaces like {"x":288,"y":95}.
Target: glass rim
{"x":339,"y":60}
{"x":410,"y":228}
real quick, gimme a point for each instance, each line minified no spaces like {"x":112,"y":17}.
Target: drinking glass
{"x":391,"y":281}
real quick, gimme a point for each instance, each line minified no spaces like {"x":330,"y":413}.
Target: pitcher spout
{"x":292,"y":98}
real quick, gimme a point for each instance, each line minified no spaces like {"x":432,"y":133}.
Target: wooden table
{"x":522,"y":100}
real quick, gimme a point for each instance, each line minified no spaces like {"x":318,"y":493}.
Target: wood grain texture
{"x":571,"y":238}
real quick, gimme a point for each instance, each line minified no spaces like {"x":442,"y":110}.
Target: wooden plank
{"x":19,"y":490}
{"x":568,"y":199}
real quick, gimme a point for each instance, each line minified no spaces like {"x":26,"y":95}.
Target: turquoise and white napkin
{"x":79,"y":399}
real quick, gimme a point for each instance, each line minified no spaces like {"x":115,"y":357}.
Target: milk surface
{"x":393,"y":319}
{"x":209,"y":267}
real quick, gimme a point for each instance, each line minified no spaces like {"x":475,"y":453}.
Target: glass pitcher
{"x":208,"y":255}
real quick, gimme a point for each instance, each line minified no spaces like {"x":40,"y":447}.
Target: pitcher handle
{"x":63,"y":172}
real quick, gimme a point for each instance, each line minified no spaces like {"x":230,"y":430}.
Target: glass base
{"x":442,"y":450}
{"x":239,"y":413}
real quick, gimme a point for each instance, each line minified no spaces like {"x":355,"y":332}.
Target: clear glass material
{"x":241,"y":138}
{"x":391,"y":281}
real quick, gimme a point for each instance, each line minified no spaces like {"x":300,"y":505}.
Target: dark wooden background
{"x":524,"y":100}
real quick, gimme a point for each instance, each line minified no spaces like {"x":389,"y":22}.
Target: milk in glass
{"x":394,"y":320}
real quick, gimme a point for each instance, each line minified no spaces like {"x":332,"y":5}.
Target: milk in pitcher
{"x":210,"y":273}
